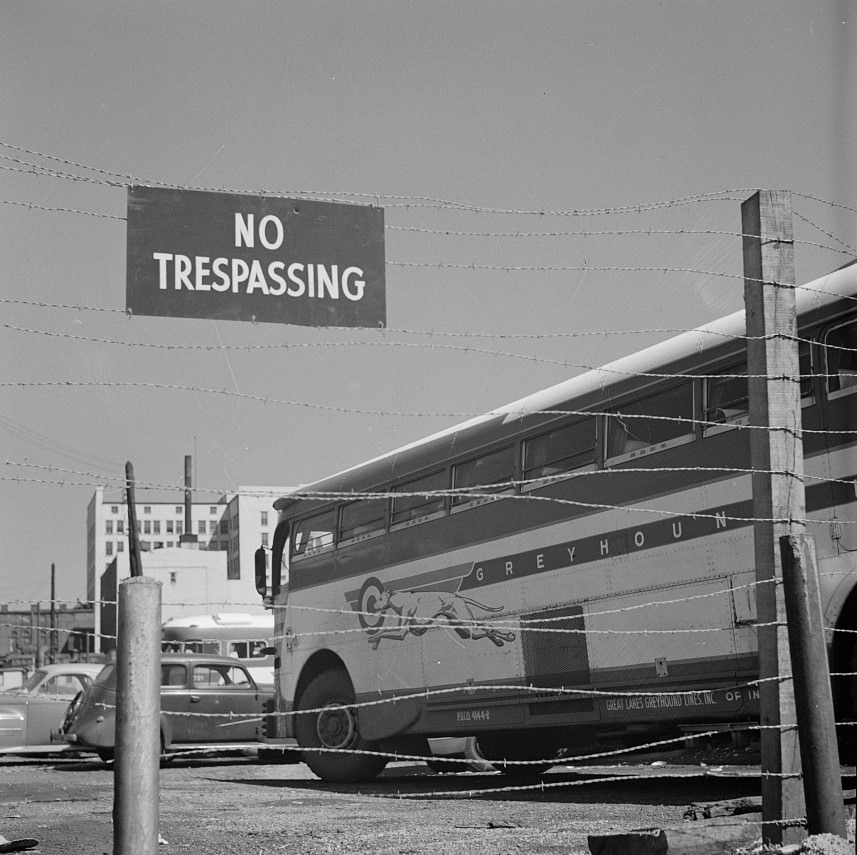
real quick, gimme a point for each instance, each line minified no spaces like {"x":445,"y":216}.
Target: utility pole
{"x":133,"y":540}
{"x":780,"y":511}
{"x":53,"y":646}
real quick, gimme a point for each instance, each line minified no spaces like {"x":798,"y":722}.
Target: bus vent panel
{"x":554,"y":659}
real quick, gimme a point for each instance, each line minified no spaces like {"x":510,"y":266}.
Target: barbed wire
{"x":515,"y":497}
{"x":505,"y":411}
{"x":119,"y":481}
{"x":407,"y":200}
{"x":701,"y":331}
{"x":468,"y":349}
{"x":843,"y":248}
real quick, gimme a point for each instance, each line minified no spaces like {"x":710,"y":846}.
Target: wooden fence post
{"x":776,"y":456}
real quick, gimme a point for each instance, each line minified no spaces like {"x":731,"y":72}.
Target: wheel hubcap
{"x":336,"y":726}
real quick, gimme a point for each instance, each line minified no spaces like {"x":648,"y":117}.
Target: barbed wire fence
{"x":20,"y":469}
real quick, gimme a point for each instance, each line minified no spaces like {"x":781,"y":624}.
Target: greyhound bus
{"x":245,"y":637}
{"x":573,"y":569}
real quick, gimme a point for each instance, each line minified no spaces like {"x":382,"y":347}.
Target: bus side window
{"x":314,"y":533}
{"x":280,"y":558}
{"x":562,"y":450}
{"x":726,"y":396}
{"x":415,"y":504}
{"x":629,"y":431}
{"x":840,"y":350}
{"x":365,"y":516}
{"x":491,"y":473}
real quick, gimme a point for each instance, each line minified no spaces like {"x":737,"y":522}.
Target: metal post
{"x":138,"y":703}
{"x":825,"y":812}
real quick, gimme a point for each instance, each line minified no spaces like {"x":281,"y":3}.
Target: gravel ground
{"x":236,"y":806}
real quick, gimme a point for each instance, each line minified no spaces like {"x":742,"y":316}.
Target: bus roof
{"x":224,"y":619}
{"x":810,"y":296}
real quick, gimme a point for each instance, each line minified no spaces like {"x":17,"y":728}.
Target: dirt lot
{"x":233,"y":805}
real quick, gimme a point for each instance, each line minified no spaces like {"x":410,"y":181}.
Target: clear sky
{"x":531,"y":116}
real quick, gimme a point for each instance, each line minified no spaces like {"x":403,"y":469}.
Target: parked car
{"x":32,"y":712}
{"x":207,"y":701}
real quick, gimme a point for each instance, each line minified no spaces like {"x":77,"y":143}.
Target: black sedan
{"x":206,"y":702}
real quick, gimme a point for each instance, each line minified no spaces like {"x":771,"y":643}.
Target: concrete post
{"x":138,"y":705}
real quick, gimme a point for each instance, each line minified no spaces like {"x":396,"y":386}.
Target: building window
{"x":120,"y":545}
{"x":147,"y":526}
{"x":108,"y":548}
{"x":114,"y":509}
{"x":224,"y":526}
{"x":212,"y":509}
{"x":212,"y":526}
{"x":147,"y":509}
{"x":179,"y":527}
{"x":233,"y":569}
{"x":170,"y":527}
{"x":179,"y":509}
{"x":170,"y":544}
{"x":156,"y":526}
{"x":200,"y":527}
{"x":264,"y":518}
{"x":120,"y":526}
{"x":108,"y":526}
{"x":264,"y":538}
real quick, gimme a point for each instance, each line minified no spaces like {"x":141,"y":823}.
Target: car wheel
{"x":334,"y":726}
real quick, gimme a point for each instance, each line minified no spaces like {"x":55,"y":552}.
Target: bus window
{"x":314,"y":533}
{"x":840,"y":348}
{"x":726,"y":397}
{"x":362,"y":518}
{"x":805,"y":369}
{"x":562,"y":450}
{"x":490,"y":473}
{"x":413,"y":506}
{"x":632,"y":436}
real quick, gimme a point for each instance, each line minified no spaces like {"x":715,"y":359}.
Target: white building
{"x":228,"y":531}
{"x":193,"y":582}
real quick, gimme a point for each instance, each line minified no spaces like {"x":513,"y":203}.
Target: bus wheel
{"x":497,"y":748}
{"x":334,"y":726}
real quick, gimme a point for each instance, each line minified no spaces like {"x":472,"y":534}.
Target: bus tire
{"x":334,"y":726}
{"x":500,"y":747}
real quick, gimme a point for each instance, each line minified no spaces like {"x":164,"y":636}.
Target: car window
{"x":32,"y":682}
{"x":63,"y":685}
{"x":214,"y":676}
{"x":173,"y":675}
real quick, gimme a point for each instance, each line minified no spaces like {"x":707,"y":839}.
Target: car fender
{"x":166,"y":732}
{"x":13,"y":724}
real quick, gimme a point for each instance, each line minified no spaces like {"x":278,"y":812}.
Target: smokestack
{"x":188,"y":537}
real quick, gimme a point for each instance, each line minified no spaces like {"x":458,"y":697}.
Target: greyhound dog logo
{"x":395,"y":613}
